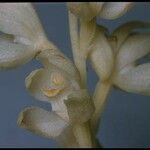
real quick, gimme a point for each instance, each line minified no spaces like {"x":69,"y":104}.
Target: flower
{"x":106,"y":10}
{"x":130,"y":74}
{"x":22,"y":35}
{"x":57,"y":83}
{"x":116,"y":57}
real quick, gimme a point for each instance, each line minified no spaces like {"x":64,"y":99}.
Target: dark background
{"x":126,"y":119}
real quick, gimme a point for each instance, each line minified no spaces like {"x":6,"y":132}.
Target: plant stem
{"x":83,"y":135}
{"x":101,"y":92}
{"x":79,"y":58}
{"x":80,"y":62}
{"x":82,"y":132}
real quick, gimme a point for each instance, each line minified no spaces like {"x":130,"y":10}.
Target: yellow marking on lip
{"x":51,"y":92}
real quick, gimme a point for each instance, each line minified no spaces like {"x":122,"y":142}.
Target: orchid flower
{"x":130,"y":75}
{"x":55,"y":84}
{"x":118,"y":54}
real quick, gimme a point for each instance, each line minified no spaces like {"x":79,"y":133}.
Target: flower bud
{"x":105,"y":10}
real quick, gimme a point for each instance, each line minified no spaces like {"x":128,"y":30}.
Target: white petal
{"x":20,"y":19}
{"x":58,"y":59}
{"x":13,"y":54}
{"x":41,"y":122}
{"x":136,"y":80}
{"x":101,"y":56}
{"x":123,"y":31}
{"x":28,"y":79}
{"x":59,"y":107}
{"x":113,"y":10}
{"x":135,"y":47}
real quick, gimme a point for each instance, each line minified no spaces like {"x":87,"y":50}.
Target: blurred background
{"x":126,"y":119}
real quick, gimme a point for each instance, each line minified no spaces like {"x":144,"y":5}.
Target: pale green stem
{"x":81,"y":66}
{"x":87,"y":34}
{"x":101,"y":92}
{"x":79,"y":59}
{"x":81,"y":131}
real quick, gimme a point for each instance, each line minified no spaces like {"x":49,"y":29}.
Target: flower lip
{"x":58,"y":83}
{"x":51,"y":92}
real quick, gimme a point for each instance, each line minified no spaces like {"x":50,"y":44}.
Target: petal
{"x":56,"y":58}
{"x":13,"y":54}
{"x":101,"y":56}
{"x":134,"y":79}
{"x":20,"y":19}
{"x":135,"y":47}
{"x":113,"y":10}
{"x":79,"y":103}
{"x":41,"y":122}
{"x":123,"y":31}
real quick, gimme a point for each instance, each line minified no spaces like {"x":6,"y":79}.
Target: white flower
{"x":22,"y":35}
{"x":106,"y":10}
{"x":59,"y":84}
{"x":130,"y":75}
{"x":115,"y":57}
